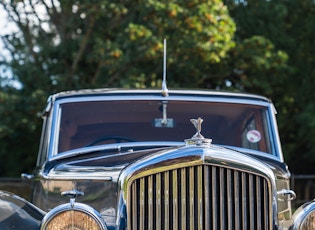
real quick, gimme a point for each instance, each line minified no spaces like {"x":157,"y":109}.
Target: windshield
{"x":91,"y":123}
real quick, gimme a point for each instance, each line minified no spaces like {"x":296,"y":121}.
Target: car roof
{"x":181,"y":92}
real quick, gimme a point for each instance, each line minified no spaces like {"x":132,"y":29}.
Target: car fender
{"x":17,"y":213}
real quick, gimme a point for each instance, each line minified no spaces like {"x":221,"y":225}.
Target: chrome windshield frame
{"x":153,"y":96}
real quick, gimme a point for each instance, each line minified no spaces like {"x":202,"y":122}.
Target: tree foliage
{"x":60,"y":45}
{"x":289,"y":26}
{"x":261,"y":47}
{"x":76,"y":44}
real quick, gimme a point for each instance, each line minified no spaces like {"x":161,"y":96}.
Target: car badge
{"x":198,"y":139}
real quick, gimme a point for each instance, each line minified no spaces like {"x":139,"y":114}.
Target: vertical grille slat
{"x":142,"y":203}
{"x":229,"y":200}
{"x":222,"y":199}
{"x":266,"y":208}
{"x":150,"y":202}
{"x":258,"y":207}
{"x":158,"y":202}
{"x":237,"y":200}
{"x":200,"y":197}
{"x":207,"y":207}
{"x":252,"y":195}
{"x":244,"y":201}
{"x":175,"y":199}
{"x":191,"y":198}
{"x":134,"y":216}
{"x":183,"y":199}
{"x":215,"y":198}
{"x":166,"y":201}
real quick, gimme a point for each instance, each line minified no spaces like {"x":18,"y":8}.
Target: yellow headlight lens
{"x":74,"y":220}
{"x":74,"y":216}
{"x":309,"y":222}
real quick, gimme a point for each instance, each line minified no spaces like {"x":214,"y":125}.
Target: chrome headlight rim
{"x":79,"y":207}
{"x":302,"y":214}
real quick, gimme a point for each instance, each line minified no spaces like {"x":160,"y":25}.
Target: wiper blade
{"x":119,"y":147}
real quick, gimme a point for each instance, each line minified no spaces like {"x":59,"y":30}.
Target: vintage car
{"x":158,"y":159}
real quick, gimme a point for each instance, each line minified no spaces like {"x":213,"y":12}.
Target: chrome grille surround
{"x":198,"y":188}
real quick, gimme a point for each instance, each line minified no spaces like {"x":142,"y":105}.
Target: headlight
{"x":309,"y":222}
{"x":304,"y":217}
{"x":78,"y":216}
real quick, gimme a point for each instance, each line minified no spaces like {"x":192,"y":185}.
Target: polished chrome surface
{"x":72,"y":193}
{"x":99,"y":194}
{"x":118,"y":147}
{"x":27,"y":177}
{"x":89,"y":211}
{"x":303,"y":218}
{"x":17,"y":213}
{"x":199,"y":188}
{"x":198,"y":139}
{"x":286,"y":194}
{"x":200,"y":197}
{"x":189,"y":93}
{"x":164,"y":86}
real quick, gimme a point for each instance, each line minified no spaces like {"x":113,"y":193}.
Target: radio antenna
{"x":164,"y":87}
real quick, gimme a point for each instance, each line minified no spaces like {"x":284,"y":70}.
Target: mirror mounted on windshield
{"x":164,"y":122}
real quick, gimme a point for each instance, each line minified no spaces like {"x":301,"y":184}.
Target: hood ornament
{"x":198,"y":139}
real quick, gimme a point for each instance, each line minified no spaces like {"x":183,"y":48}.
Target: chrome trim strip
{"x":244,"y":194}
{"x":200,"y":200}
{"x":158,"y":201}
{"x":97,"y":175}
{"x":191,"y":197}
{"x":175,"y":199}
{"x":214,"y":199}
{"x":150,"y":202}
{"x":149,"y":97}
{"x":134,"y":207}
{"x":142,"y":201}
{"x":221,"y":195}
{"x":207,"y":198}
{"x":166,"y":200}
{"x":183,"y":198}
{"x":259,"y":202}
{"x":229,"y":182}
{"x":237,"y":200}
{"x":142,"y":92}
{"x":251,"y":201}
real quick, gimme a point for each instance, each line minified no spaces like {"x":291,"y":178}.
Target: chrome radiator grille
{"x":200,"y":197}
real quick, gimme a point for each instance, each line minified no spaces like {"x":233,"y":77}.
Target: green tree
{"x":64,"y":44}
{"x":289,"y":26}
{"x":301,"y":27}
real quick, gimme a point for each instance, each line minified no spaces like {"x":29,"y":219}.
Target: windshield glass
{"x":91,"y":123}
